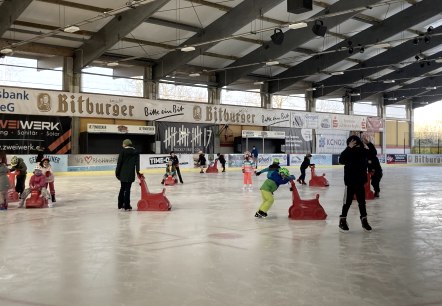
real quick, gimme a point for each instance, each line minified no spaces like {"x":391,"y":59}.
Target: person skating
{"x":270,"y":185}
{"x":19,"y":165}
{"x":354,"y":159}
{"x":374,"y":166}
{"x":176,"y":163}
{"x":128,"y":164}
{"x":305,"y":164}
{"x":273,"y":167}
{"x":46,"y":168}
{"x":222,"y":161}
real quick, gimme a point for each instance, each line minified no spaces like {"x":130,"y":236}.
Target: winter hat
{"x":127,"y":142}
{"x":276,"y":160}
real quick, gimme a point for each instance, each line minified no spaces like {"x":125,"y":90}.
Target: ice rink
{"x":209,"y":250}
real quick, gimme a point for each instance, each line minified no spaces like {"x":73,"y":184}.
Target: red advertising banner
{"x":396,"y":158}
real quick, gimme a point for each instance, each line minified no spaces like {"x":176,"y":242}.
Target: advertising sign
{"x":396,"y":158}
{"x":20,"y":134}
{"x":120,"y":129}
{"x":426,"y":159}
{"x":331,"y":141}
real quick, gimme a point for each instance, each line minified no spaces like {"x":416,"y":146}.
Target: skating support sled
{"x":317,"y":181}
{"x":305,"y":209}
{"x":12,"y":194}
{"x":36,"y":200}
{"x":213,"y":168}
{"x":152,"y":201}
{"x":170,"y":181}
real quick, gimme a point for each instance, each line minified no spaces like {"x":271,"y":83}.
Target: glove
{"x":48,"y":174}
{"x":257,"y":173}
{"x":291,"y":188}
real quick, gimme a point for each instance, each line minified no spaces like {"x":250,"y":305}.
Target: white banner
{"x":57,"y":103}
{"x":429,"y":159}
{"x":121,"y":129}
{"x":331,"y":141}
{"x":263,"y":134}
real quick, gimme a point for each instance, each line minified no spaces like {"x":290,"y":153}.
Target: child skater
{"x":170,"y":170}
{"x":305,"y":164}
{"x":201,"y":161}
{"x":46,"y":168}
{"x":273,"y":167}
{"x":4,"y":181}
{"x":19,"y":166}
{"x":37,"y":181}
{"x":247,"y":170}
{"x":270,"y":185}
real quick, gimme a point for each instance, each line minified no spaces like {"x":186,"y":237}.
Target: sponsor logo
{"x":74,"y":105}
{"x":197,"y":113}
{"x":122,"y":129}
{"x":44,"y":102}
{"x":13,"y":95}
{"x":29,"y":125}
{"x":297,"y":121}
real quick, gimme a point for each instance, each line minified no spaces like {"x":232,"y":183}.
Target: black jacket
{"x":128,"y":163}
{"x":305,"y":163}
{"x":374,"y":163}
{"x":221,"y":159}
{"x":355,"y":165}
{"x":175,"y":161}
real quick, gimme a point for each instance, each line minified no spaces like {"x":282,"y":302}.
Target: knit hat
{"x":127,"y":142}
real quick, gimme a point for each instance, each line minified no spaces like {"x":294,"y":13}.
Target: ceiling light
{"x":272,"y":63}
{"x":424,"y":103}
{"x":311,"y":89}
{"x":112,"y":64}
{"x":6,"y":51}
{"x":277,"y":37}
{"x":188,"y":49}
{"x":297,"y":25}
{"x":389,"y":81}
{"x":337,"y":73}
{"x":392,"y":99}
{"x":194,"y":75}
{"x":361,"y":48}
{"x":382,"y":45}
{"x":354,"y":94}
{"x":439,"y":61}
{"x":431,"y":88}
{"x":71,"y":29}
{"x":427,"y":39}
{"x":258,"y":83}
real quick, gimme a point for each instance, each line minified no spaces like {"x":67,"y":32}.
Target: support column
{"x":382,"y":115}
{"x":410,"y":116}
{"x":72,"y":83}
{"x":214,"y":98}
{"x":150,"y":88}
{"x":348,"y":105}
{"x":310,"y":106}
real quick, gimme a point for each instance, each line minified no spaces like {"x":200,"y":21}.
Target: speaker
{"x":277,"y":37}
{"x":299,"y":6}
{"x":319,"y":28}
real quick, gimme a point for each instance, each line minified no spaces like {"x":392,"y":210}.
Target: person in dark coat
{"x":128,"y":164}
{"x":40,"y":154}
{"x":374,"y":166}
{"x":201,"y":161}
{"x":222,"y":161}
{"x":18,"y":164}
{"x":354,"y":159}
{"x":176,"y":163}
{"x":305,"y":164}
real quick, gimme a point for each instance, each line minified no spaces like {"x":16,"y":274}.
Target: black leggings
{"x":20,"y":184}
{"x":124,"y":195}
{"x":350,"y":191}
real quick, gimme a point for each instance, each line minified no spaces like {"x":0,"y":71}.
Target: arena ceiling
{"x":372,"y":49}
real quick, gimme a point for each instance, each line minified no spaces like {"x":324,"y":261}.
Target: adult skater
{"x":305,"y":164}
{"x":128,"y":163}
{"x":374,"y":166}
{"x":176,"y":163}
{"x":354,"y":159}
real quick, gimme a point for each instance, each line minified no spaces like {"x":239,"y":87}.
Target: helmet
{"x":276,"y":160}
{"x":37,"y":171}
{"x":14,"y":160}
{"x":284,"y":171}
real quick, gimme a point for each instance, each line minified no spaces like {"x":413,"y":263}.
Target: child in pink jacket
{"x":38,"y":181}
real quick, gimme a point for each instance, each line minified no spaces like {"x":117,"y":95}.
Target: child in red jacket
{"x":38,"y":181}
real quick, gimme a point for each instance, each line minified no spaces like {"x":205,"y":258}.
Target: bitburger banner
{"x":22,"y":134}
{"x":57,"y":103}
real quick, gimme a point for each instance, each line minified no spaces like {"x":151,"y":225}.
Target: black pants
{"x":375,"y":180}
{"x":223,"y":165}
{"x":302,"y":176}
{"x":124,"y":195}
{"x":20,"y":183}
{"x":179,"y":174}
{"x":350,"y":191}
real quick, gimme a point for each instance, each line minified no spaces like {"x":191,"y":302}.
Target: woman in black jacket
{"x":354,"y":159}
{"x":128,"y":163}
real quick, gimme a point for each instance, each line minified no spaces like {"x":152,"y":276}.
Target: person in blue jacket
{"x":270,"y":185}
